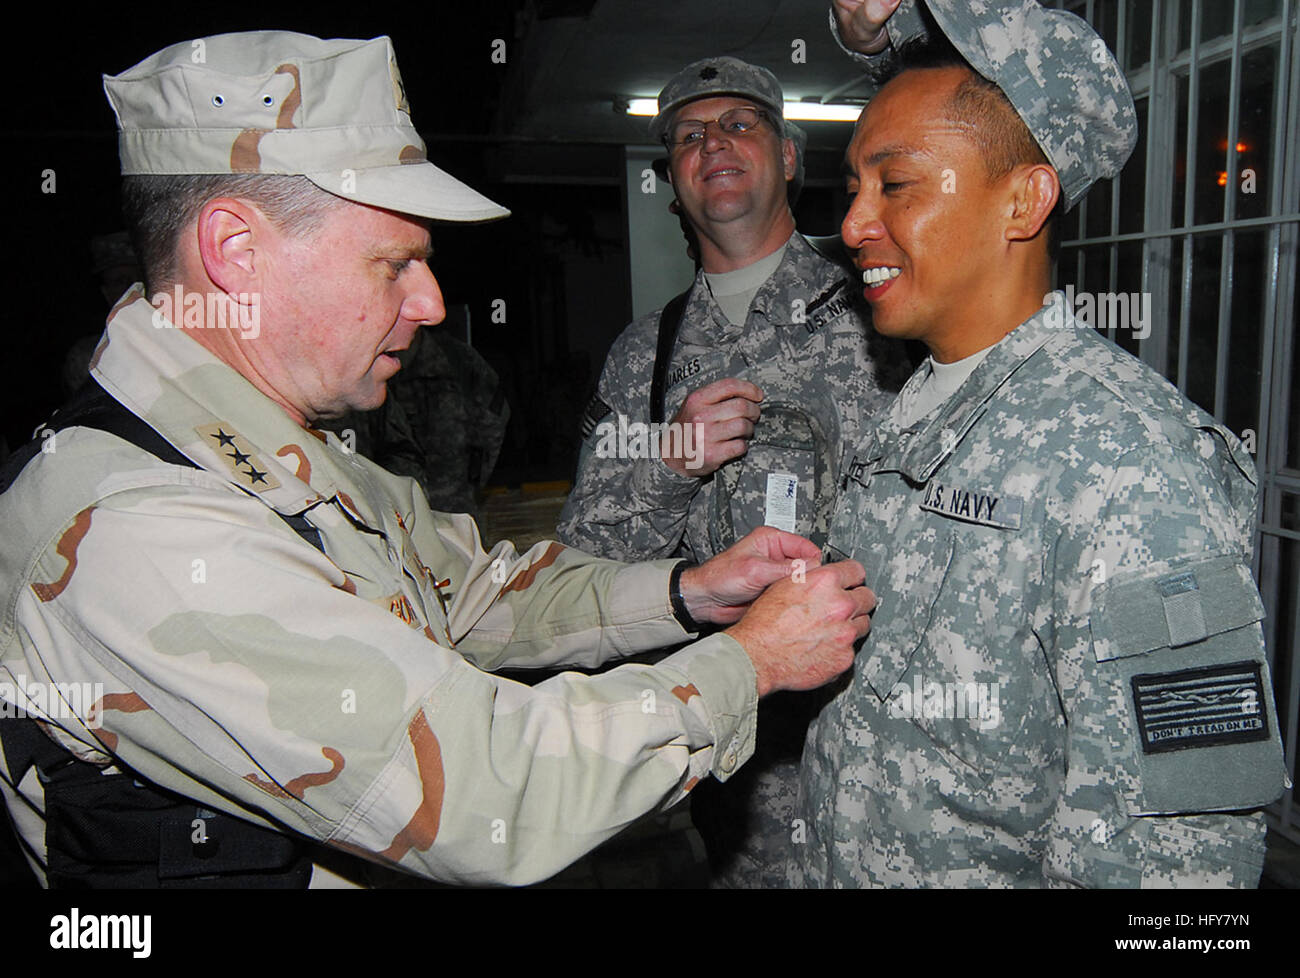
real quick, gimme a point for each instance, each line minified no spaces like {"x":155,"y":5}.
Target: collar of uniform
{"x":703,"y":321}
{"x":215,"y":417}
{"x":923,"y":447}
{"x":705,"y":324}
{"x":803,"y":269}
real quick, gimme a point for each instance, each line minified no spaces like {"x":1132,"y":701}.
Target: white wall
{"x":659,"y":268}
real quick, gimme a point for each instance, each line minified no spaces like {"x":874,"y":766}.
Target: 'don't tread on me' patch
{"x":1206,"y":707}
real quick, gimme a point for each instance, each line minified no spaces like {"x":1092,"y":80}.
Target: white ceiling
{"x":572,"y":59}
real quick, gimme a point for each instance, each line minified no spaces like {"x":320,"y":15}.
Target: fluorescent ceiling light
{"x":795,"y":111}
{"x":822,"y":112}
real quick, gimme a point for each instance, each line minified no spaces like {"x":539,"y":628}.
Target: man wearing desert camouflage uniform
{"x":1065,"y":684}
{"x":777,"y":363}
{"x":282,"y":631}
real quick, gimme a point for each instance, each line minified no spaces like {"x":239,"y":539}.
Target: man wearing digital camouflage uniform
{"x":457,"y":409}
{"x":284,"y":645}
{"x":775,"y":357}
{"x":1065,"y":683}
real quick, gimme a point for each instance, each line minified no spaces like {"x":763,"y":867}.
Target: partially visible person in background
{"x":384,"y":436}
{"x":457,"y":410}
{"x":442,"y":423}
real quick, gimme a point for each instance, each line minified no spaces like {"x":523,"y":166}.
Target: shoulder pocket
{"x":1180,"y":642}
{"x":1172,"y":604}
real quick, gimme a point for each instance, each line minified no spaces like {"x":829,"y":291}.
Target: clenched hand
{"x":725,"y":412}
{"x":862,"y":23}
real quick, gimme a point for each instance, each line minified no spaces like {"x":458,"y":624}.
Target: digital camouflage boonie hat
{"x":712,"y":77}
{"x":797,"y":434}
{"x":1058,"y":74}
{"x":277,"y":102}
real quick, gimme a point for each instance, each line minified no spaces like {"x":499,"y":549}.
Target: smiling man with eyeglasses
{"x":729,"y":163}
{"x":770,"y":361}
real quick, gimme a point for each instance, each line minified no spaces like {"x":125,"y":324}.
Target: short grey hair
{"x":158,"y":208}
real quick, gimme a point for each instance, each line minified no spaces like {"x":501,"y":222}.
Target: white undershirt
{"x":940,"y":382}
{"x":734,"y":291}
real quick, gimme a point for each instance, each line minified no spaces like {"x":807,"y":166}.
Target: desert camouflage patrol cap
{"x":1054,"y":69}
{"x":718,"y":76}
{"x":277,"y":102}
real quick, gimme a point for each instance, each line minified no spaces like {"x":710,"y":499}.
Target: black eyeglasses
{"x":733,"y":122}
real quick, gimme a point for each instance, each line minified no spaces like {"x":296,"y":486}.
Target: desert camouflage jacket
{"x":340,"y":694}
{"x":1066,"y":670}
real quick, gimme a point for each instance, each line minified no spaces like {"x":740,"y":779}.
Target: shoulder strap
{"x":94,"y":407}
{"x":670,"y":321}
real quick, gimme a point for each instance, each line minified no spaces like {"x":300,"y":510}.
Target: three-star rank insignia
{"x":248,"y":470}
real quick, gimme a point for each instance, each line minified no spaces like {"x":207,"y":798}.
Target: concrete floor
{"x":524,"y":516}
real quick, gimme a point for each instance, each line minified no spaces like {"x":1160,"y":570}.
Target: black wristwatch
{"x":678,"y":602}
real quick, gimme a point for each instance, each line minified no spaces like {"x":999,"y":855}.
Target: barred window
{"x":1203,"y":224}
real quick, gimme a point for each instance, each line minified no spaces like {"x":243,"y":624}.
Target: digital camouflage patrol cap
{"x":1055,"y":70}
{"x":718,"y":76}
{"x":277,"y":102}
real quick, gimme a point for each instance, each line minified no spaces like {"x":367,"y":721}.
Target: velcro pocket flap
{"x":1173,"y":603}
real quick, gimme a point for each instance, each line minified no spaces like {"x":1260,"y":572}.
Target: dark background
{"x":559,"y":262}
